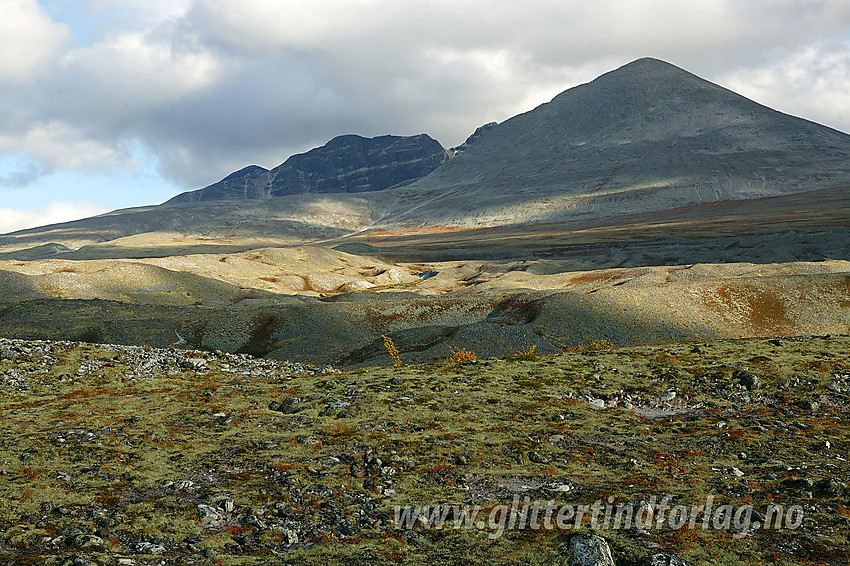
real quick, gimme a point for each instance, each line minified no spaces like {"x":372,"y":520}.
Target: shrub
{"x":392,"y":350}
{"x":461,"y":356}
{"x":600,"y":344}
{"x":526,"y":355}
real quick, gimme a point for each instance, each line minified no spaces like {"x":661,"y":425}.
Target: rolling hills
{"x":571,"y":222}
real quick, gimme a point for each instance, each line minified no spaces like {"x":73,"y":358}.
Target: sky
{"x":111,"y":104}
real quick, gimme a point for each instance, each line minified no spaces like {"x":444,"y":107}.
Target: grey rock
{"x":288,"y":406}
{"x":747,"y":379}
{"x":834,"y":487}
{"x":338,"y":404}
{"x":196,"y":364}
{"x":74,"y":537}
{"x":666,"y":560}
{"x":223,"y":501}
{"x":537,"y":458}
{"x":416,"y":539}
{"x":66,"y":536}
{"x":8,"y":354}
{"x":207,"y":513}
{"x":86,"y":542}
{"x":254,"y":521}
{"x":147,"y":548}
{"x":290,"y":537}
{"x":589,"y":550}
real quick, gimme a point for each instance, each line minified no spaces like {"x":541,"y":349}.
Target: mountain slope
{"x":648,"y":136}
{"x":630,"y":147}
{"x":346,"y":164}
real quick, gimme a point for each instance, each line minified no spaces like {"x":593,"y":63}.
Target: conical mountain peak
{"x":646,"y":136}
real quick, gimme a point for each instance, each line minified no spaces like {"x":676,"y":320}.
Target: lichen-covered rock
{"x":666,"y":560}
{"x":747,"y":379}
{"x":589,"y":550}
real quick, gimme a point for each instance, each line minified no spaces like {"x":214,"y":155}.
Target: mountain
{"x":644,"y":156}
{"x":646,"y":206}
{"x":480,"y":131}
{"x":647,"y":136}
{"x":346,"y":164}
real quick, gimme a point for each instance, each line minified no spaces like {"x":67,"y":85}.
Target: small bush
{"x":597,"y":345}
{"x":528,"y":355}
{"x":392,"y":350}
{"x":461,"y":356}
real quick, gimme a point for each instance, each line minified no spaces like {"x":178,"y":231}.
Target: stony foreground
{"x":127,"y":455}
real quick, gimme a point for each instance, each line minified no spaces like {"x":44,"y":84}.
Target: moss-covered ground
{"x":143,"y":457}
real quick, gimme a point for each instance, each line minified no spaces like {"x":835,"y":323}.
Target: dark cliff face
{"x":346,"y":164}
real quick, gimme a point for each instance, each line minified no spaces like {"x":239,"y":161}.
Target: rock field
{"x":134,"y":455}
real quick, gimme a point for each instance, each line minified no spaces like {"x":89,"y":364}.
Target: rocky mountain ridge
{"x":346,"y":164}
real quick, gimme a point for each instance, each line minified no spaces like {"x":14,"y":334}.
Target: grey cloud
{"x":228,"y":84}
{"x":21,"y":176}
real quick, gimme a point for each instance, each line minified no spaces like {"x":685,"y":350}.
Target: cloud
{"x":208,"y":86}
{"x":57,"y":145}
{"x":18,"y":171}
{"x":811,"y":82}
{"x":29,"y":39}
{"x":55,"y":212}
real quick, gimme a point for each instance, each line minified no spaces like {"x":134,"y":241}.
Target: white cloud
{"x":134,"y":72}
{"x":60,"y":146}
{"x":55,"y":212}
{"x":29,"y":39}
{"x":812,"y":82}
